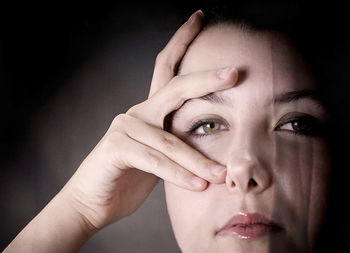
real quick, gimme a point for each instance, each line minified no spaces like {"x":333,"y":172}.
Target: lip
{"x":249,"y":226}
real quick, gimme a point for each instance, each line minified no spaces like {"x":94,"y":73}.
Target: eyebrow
{"x":286,"y":97}
{"x":296,"y":95}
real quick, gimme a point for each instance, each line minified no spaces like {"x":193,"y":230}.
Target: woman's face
{"x":267,"y":130}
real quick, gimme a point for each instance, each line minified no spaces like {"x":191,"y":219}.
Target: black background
{"x":43,"y":44}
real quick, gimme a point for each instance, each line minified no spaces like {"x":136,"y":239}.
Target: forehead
{"x":267,"y":61}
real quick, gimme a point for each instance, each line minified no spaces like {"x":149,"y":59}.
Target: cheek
{"x":216,"y":147}
{"x":191,"y":218}
{"x":301,"y":168}
{"x":301,"y":176}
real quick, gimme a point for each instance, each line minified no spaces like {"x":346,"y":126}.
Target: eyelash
{"x":317,"y":128}
{"x":314,"y":127}
{"x":201,"y":123}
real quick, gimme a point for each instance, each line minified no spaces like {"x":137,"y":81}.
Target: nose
{"x":247,"y":170}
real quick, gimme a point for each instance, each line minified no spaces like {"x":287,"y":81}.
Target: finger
{"x":136,"y":155}
{"x":172,"y":147}
{"x":181,"y":88}
{"x":169,"y":58}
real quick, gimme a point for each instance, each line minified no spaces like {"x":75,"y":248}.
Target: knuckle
{"x":160,"y":57}
{"x":205,"y":163}
{"x":111,"y":141}
{"x":119,"y":120}
{"x":165,"y":60}
{"x":169,"y":142}
{"x":176,"y":84}
{"x":153,"y":160}
{"x":132,"y":110}
{"x":181,"y":44}
{"x":178,"y":176}
{"x":137,"y":110}
{"x":110,"y":148}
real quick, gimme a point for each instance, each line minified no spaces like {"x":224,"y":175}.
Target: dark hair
{"x":319,"y":34}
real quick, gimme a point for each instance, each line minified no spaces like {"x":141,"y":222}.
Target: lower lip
{"x":248,"y":231}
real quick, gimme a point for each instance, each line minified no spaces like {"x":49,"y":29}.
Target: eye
{"x":303,"y":125}
{"x":206,"y":127}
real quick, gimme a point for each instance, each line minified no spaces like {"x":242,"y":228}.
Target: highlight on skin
{"x":268,"y":131}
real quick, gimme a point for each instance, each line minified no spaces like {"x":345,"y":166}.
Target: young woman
{"x":235,"y":125}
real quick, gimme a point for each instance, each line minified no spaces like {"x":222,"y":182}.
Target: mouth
{"x":249,"y":226}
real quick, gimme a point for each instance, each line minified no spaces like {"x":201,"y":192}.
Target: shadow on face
{"x":269,"y":132}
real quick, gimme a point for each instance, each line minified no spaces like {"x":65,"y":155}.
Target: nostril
{"x":252,"y":183}
{"x":232,"y":184}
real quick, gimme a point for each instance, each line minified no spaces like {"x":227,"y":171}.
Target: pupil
{"x":211,"y":125}
{"x":298,"y":126}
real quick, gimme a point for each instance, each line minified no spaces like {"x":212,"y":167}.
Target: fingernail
{"x":194,"y":15}
{"x":226,"y":72}
{"x":198,"y":182}
{"x":217,"y":170}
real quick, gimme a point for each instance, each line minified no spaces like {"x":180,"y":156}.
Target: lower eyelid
{"x":285,"y":126}
{"x":201,"y":123}
{"x":316,"y":128}
{"x":222,"y":128}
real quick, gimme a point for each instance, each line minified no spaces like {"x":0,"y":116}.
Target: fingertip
{"x":218,"y":173}
{"x":198,"y":184}
{"x":228,"y":77}
{"x":201,"y":13}
{"x":227,"y":73}
{"x":196,"y":15}
{"x":217,"y":170}
{"x":219,"y":180}
{"x":234,"y":75}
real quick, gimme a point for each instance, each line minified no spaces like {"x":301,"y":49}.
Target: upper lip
{"x":244,"y":219}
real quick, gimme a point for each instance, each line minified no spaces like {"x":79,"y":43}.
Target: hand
{"x":123,"y":168}
{"x":121,"y":171}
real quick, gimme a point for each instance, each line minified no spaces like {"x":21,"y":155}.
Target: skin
{"x":290,"y":171}
{"x":126,"y":164}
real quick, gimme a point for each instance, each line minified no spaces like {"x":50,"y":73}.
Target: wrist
{"x":73,"y":217}
{"x":57,"y":228}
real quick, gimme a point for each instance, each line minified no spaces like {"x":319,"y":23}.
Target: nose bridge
{"x":246,"y":165}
